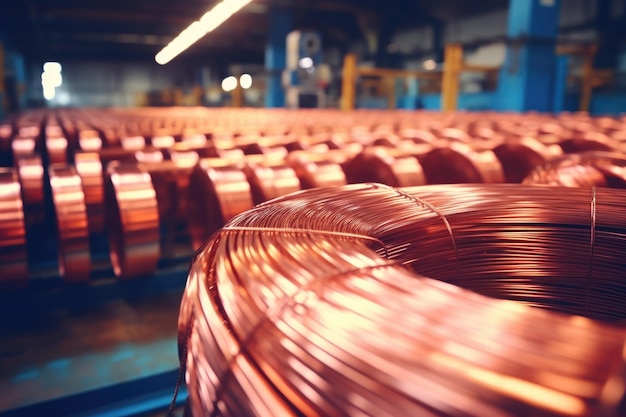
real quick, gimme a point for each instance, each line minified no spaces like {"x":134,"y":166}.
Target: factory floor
{"x":66,"y":353}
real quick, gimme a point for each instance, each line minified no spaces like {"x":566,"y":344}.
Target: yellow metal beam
{"x":399,"y":73}
{"x":348,"y":83}
{"x":453,"y":65}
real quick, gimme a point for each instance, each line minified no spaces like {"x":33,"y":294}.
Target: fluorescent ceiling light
{"x":194,"y":32}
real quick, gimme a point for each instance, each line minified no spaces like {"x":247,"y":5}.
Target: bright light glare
{"x":52,"y":67}
{"x":207,"y":23}
{"x":49,"y":92}
{"x":229,"y":83}
{"x":306,"y":62}
{"x":52,"y":79}
{"x":429,"y":64}
{"x":245,"y":81}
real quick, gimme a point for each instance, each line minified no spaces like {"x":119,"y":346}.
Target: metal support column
{"x":560,"y":84}
{"x":280,"y":24}
{"x":527,"y":79}
{"x":453,"y":64}
{"x":348,"y":83}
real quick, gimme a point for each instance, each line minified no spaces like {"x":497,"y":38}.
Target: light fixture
{"x":207,"y":23}
{"x":429,"y":64}
{"x":229,"y":83}
{"x":306,"y":62}
{"x":51,"y":78}
{"x":245,"y":81}
{"x":52,"y":67}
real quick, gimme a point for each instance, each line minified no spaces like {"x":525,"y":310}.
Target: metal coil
{"x":71,"y":220}
{"x":89,"y":167}
{"x":30,"y":172}
{"x":13,"y":258}
{"x":132,"y":215}
{"x":458,"y":163}
{"x":377,"y":165}
{"x":603,"y":169}
{"x":314,"y":304}
{"x":216,"y":194}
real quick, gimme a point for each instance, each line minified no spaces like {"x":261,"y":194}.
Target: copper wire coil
{"x":132,"y":215}
{"x":13,"y":258}
{"x":377,"y":165}
{"x":30,"y":172}
{"x":602,"y":169}
{"x":311,"y":305}
{"x":268,"y":182}
{"x":216,"y":194}
{"x":459,"y":164}
{"x":583,"y":145}
{"x":89,"y":167}
{"x":133,"y":143}
{"x":316,"y":172}
{"x":23,"y":146}
{"x":71,"y":219}
{"x":57,"y":149}
{"x":520,"y":157}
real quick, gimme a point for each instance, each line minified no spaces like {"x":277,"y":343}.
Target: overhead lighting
{"x":429,"y":64}
{"x":245,"y":81}
{"x":229,"y":83}
{"x":194,"y":32}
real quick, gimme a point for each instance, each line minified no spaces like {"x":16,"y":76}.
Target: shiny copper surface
{"x":71,"y":220}
{"x":268,"y":182}
{"x":56,"y":146}
{"x":132,"y":215}
{"x":13,"y":260}
{"x":23,"y":146}
{"x":89,"y":168}
{"x":216,"y":194}
{"x":519,"y":157}
{"x":602,"y":169}
{"x":377,"y":165}
{"x":460,"y":164}
{"x":30,"y":172}
{"x":284,"y":315}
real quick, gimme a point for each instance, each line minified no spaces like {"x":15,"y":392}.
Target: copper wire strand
{"x":285,"y":230}
{"x":423,"y":203}
{"x":591,"y":247}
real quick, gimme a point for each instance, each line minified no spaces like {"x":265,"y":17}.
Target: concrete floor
{"x":67,"y":353}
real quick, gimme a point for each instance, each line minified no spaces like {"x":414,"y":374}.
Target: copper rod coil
{"x":520,"y":157}
{"x":71,"y":219}
{"x":23,"y":147}
{"x":13,"y":258}
{"x":132,"y":217}
{"x":459,"y":164}
{"x":316,"y":173}
{"x":89,"y":168}
{"x":377,"y":165}
{"x":57,"y":149}
{"x":216,"y":194}
{"x":269,"y":182}
{"x":603,"y":169}
{"x":30,"y":172}
{"x":275,"y":322}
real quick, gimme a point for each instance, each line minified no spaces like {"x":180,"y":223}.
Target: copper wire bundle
{"x":603,"y":169}
{"x":13,"y":260}
{"x":323,"y":303}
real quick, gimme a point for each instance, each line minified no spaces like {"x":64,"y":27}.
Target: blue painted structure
{"x":527,"y":79}
{"x":280,"y":24}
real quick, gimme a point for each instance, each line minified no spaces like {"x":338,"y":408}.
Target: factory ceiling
{"x":125,"y":29}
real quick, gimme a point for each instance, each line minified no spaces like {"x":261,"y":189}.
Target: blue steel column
{"x":280,"y":24}
{"x":528,"y":75}
{"x":560,"y":83}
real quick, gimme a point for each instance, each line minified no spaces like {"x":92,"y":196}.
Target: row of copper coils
{"x":181,"y":181}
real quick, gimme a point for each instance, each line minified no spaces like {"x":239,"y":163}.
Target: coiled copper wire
{"x":13,"y":258}
{"x":89,"y":167}
{"x":30,"y":172}
{"x":268,"y":182}
{"x":57,"y":149}
{"x":320,"y":303}
{"x":23,"y":146}
{"x":216,"y":194}
{"x":602,"y":169}
{"x":71,"y":219}
{"x":458,"y":163}
{"x":132,"y":220}
{"x":377,"y":165}
{"x":519,"y":157}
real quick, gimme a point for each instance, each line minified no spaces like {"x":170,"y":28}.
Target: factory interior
{"x":313,"y":208}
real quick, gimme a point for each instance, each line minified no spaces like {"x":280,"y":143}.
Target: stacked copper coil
{"x":336,"y":302}
{"x":196,"y":168}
